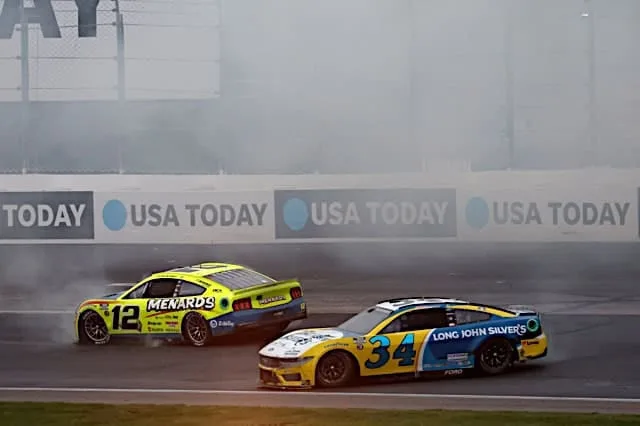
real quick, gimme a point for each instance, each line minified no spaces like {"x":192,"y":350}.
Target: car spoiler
{"x":522,"y":310}
{"x":261,"y":286}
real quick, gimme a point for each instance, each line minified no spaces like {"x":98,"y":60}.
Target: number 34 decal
{"x":405,"y":352}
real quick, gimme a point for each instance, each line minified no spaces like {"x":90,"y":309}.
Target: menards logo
{"x":271,"y":299}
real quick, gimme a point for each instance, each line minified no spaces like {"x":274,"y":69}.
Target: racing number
{"x":130,"y":316}
{"x":405,"y":352}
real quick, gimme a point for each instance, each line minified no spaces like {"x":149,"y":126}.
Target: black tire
{"x":495,"y":356}
{"x":92,"y":330}
{"x":195,"y":330}
{"x":335,"y":369}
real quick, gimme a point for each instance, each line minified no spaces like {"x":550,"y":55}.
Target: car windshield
{"x":365,"y":321}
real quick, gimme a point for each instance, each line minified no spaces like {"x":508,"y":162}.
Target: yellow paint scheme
{"x":128,"y":314}
{"x":366,"y":353}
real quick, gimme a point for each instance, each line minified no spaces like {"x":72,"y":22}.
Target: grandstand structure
{"x":337,"y":86}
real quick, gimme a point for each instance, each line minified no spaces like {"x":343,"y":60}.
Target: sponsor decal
{"x":221,"y":323}
{"x":272,"y":299}
{"x":46,"y":215}
{"x":458,"y":357}
{"x":530,"y":342}
{"x":181,"y":304}
{"x":455,"y":372}
{"x":117,"y":215}
{"x":359,"y":342}
{"x":481,"y":213}
{"x":336,"y":345}
{"x":519,"y":330}
{"x":366,"y":213}
{"x":299,"y":339}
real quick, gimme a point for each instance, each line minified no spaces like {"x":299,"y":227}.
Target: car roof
{"x":408,"y":302}
{"x":202,"y":269}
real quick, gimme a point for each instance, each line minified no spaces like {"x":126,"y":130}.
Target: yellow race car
{"x":409,"y":336}
{"x":194,"y":304}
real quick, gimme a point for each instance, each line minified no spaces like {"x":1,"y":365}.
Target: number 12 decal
{"x":405,"y":352}
{"x":130,"y":317}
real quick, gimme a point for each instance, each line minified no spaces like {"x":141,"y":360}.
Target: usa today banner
{"x":355,"y":214}
{"x":183,"y":217}
{"x":548,"y":212}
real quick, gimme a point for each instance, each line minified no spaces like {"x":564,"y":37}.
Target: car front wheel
{"x":335,"y":369}
{"x":92,"y":329}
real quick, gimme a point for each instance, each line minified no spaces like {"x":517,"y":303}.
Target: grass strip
{"x":71,"y":414}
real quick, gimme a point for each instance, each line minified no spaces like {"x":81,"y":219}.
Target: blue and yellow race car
{"x":194,"y":304}
{"x":409,"y":336}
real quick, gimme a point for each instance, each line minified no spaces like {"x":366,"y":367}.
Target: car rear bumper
{"x":259,"y":318}
{"x":535,"y":348}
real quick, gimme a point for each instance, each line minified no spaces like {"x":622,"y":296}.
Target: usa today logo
{"x":365,"y":213}
{"x":480,"y":213}
{"x":116,"y":215}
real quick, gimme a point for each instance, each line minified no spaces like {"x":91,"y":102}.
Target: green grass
{"x":57,"y":414}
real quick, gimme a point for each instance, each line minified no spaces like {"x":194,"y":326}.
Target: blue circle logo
{"x":477,"y":213}
{"x":114,"y":215}
{"x":295,"y":214}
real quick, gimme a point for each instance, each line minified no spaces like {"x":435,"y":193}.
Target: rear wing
{"x":522,"y":310}
{"x":265,"y":286}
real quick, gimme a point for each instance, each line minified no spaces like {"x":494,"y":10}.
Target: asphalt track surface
{"x":593,"y":326}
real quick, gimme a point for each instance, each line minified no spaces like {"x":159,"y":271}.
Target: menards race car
{"x":412,"y":336}
{"x":193,"y":303}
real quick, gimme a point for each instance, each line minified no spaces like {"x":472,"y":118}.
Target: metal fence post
{"x":24,"y":87}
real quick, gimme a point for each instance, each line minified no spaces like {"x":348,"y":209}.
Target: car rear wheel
{"x":335,"y":369}
{"x":495,"y":356}
{"x":195,"y":329}
{"x":92,"y":329}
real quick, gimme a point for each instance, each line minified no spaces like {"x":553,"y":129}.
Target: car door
{"x":396,"y":348}
{"x":451,"y":346}
{"x":156,"y":319}
{"x":126,"y":316}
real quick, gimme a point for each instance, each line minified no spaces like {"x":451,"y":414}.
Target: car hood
{"x":296,"y":343}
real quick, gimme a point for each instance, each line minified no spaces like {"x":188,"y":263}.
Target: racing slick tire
{"x":495,"y":356}
{"x":195,"y":330}
{"x":335,"y":369}
{"x":92,"y":330}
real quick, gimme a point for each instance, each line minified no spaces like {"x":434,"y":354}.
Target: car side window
{"x":189,"y":289}
{"x":137,"y":293}
{"x":160,"y":288}
{"x":423,"y":319}
{"x":464,"y":316}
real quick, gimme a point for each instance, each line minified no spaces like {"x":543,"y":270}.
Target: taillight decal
{"x":295,"y":292}
{"x":242,"y":304}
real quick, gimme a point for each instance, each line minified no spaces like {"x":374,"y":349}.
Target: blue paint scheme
{"x":256,"y":317}
{"x":465,"y":339}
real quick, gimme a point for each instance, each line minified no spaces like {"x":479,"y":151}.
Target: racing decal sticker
{"x":220,"y":323}
{"x":298,"y":342}
{"x":181,"y":304}
{"x":271,"y":299}
{"x":519,"y":329}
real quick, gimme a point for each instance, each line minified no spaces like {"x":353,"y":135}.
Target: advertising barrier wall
{"x":189,"y":218}
{"x":475,"y":207}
